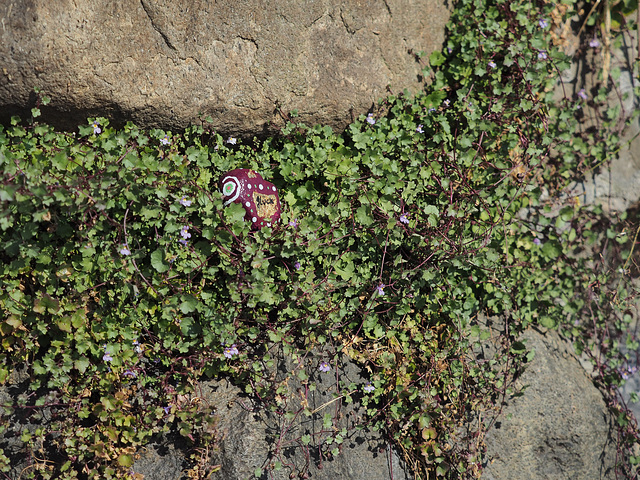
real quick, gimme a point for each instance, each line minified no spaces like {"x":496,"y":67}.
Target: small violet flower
{"x":368,"y":387}
{"x":125,"y":250}
{"x":165,"y":140}
{"x":446,"y":102}
{"x":594,"y":43}
{"x":185,"y":232}
{"x":380,"y":289}
{"x":137,"y":347}
{"x":543,"y":23}
{"x":96,"y":128}
{"x":420,"y":129}
{"x":537,"y":241}
{"x":432,"y":109}
{"x":492,"y":64}
{"x":404,"y":219}
{"x":183,"y":242}
{"x":542,"y":55}
{"x":130,"y":373}
{"x":370,"y":119}
{"x":107,"y":357}
{"x":294,"y":223}
{"x":324,"y":367}
{"x":184,"y":202}
{"x":583,"y":94}
{"x":231,"y":140}
{"x":297,"y":265}
{"x":167,"y":409}
{"x":229,"y":352}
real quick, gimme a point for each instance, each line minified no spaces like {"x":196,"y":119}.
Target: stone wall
{"x":164,"y":63}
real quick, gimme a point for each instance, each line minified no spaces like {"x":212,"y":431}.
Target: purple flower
{"x":184,"y":202}
{"x":165,"y":140}
{"x":229,"y":352}
{"x":582,"y":94}
{"x":542,"y":55}
{"x":183,"y":242}
{"x":380,"y":289}
{"x":294,"y":223}
{"x":107,"y":357}
{"x":543,"y":23}
{"x":125,"y":250}
{"x":420,"y":129}
{"x":185,"y":232}
{"x":446,"y":102}
{"x":96,"y":128}
{"x":492,"y":64}
{"x":432,"y":109}
{"x":324,"y":367}
{"x":594,"y":43}
{"x":297,"y":265}
{"x":370,"y":119}
{"x":231,"y":140}
{"x":137,"y":347}
{"x":537,"y":241}
{"x":369,"y":388}
{"x":404,"y":219}
{"x":130,"y":373}
{"x":167,"y":409}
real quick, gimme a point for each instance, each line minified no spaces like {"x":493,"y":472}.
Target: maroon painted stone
{"x":258,"y":197}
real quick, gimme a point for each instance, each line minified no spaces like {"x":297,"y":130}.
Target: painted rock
{"x":258,"y":197}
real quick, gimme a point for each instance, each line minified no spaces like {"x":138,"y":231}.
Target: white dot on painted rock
{"x":249,"y":186}
{"x":248,"y":204}
{"x":254,"y":219}
{"x":260,"y":187}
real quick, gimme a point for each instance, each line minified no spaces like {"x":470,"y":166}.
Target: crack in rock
{"x":156,"y":27}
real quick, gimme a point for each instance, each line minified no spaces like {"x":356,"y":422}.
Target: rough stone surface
{"x":252,"y":438}
{"x":616,"y":186}
{"x":560,"y":428}
{"x":163,"y":63}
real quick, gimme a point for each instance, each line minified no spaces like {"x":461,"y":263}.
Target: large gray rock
{"x":163,"y":63}
{"x":560,"y":428}
{"x":252,"y":438}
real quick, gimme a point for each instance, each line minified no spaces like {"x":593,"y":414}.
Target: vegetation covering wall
{"x":125,"y":280}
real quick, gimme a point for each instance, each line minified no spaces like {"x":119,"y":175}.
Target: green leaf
{"x":547,"y":322}
{"x":46,"y":304}
{"x":189,"y":304}
{"x":64,"y":324}
{"x":327,"y":420}
{"x":235,"y":213}
{"x":125,"y":460}
{"x":189,"y":327}
{"x":363,"y":215}
{"x":436,"y":59}
{"x":158,"y":262}
{"x":551,"y":249}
